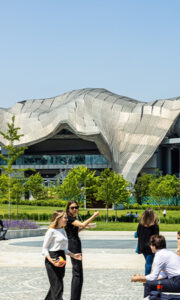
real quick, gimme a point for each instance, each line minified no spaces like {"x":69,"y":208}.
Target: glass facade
{"x":80,"y":159}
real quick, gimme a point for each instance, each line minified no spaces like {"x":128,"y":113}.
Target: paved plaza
{"x":109,"y":261}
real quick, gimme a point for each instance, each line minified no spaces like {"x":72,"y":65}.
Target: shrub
{"x":17,"y":224}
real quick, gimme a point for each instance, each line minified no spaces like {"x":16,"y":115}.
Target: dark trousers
{"x":77,"y":270}
{"x":3,"y":232}
{"x":168,"y":285}
{"x":149,"y":261}
{"x":55,"y":275}
{"x":77,"y":279}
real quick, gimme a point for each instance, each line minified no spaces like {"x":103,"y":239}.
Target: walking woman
{"x":74,"y":244}
{"x":56,"y":245}
{"x":147,"y":227}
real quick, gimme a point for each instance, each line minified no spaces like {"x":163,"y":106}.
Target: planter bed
{"x":21,"y":233}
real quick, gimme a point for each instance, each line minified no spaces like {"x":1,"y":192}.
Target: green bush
{"x":155,"y":207}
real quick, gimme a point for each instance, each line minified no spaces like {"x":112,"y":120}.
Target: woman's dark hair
{"x":178,"y":232}
{"x":158,"y":241}
{"x":149,"y":218}
{"x":69,"y":203}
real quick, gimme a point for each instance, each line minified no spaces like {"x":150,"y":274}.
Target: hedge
{"x":102,"y":218}
{"x":51,"y":202}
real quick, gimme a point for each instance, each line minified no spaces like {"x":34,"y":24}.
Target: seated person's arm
{"x":138,"y":278}
{"x":157,"y":268}
{"x":162,"y":275}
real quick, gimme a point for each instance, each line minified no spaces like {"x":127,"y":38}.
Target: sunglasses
{"x":74,"y":207}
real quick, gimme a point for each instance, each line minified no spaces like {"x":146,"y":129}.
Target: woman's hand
{"x":51,"y":260}
{"x":96,"y":214}
{"x":91,"y":225}
{"x":77,"y":256}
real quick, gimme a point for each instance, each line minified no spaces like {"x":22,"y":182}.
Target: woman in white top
{"x":56,"y":245}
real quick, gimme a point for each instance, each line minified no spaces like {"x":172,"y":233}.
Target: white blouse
{"x":54,"y":240}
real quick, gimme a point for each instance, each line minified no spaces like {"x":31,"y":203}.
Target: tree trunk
{"x":116,"y":214}
{"x":107,"y":215}
{"x":159,"y":215}
{"x":17,"y":208}
{"x":9,"y":196}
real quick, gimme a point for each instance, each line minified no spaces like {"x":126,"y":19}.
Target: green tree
{"x":78,"y":184}
{"x":17,"y":190}
{"x":164,"y":187}
{"x":4,"y":186}
{"x":13,"y":152}
{"x":120,"y":191}
{"x":111,"y":188}
{"x":141,"y":187}
{"x":34,"y":184}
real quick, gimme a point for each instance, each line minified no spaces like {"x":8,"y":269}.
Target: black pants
{"x":3,"y":233}
{"x":168,"y":285}
{"x":55,"y":275}
{"x":77,"y":270}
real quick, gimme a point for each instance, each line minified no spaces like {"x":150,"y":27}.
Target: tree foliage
{"x":79,"y":182}
{"x":112,"y":188}
{"x":141,"y":188}
{"x":13,"y":152}
{"x":164,"y":187}
{"x":34,"y":184}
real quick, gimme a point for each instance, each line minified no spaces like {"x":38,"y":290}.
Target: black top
{"x":144,"y":233}
{"x":74,"y":243}
{"x":71,"y":230}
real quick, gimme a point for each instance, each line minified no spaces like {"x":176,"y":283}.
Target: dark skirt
{"x":55,"y":275}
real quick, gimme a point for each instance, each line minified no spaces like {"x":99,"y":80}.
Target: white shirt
{"x":54,"y":240}
{"x":167,"y":261}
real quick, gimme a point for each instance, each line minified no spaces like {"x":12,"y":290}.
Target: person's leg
{"x":149,"y":261}
{"x":77,"y":279}
{"x":4,"y":234}
{"x":55,"y":275}
{"x":168,"y":285}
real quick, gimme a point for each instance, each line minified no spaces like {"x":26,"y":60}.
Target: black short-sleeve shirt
{"x":71,"y":230}
{"x":74,"y":243}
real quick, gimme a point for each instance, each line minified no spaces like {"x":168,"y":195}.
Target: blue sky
{"x":130,"y":47}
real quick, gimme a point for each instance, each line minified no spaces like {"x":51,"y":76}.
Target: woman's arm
{"x":47,"y":241}
{"x":82,"y":225}
{"x":156,"y":229}
{"x":77,"y":256}
{"x":51,"y":260}
{"x":138,"y":230}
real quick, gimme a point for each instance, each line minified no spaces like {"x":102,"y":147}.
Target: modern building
{"x":99,"y":129}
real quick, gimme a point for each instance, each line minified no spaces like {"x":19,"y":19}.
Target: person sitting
{"x":136,"y":215}
{"x":165,"y":260}
{"x":3,"y":231}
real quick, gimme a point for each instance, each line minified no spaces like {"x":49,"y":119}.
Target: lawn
{"x":114,"y":226}
{"x":50,"y":209}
